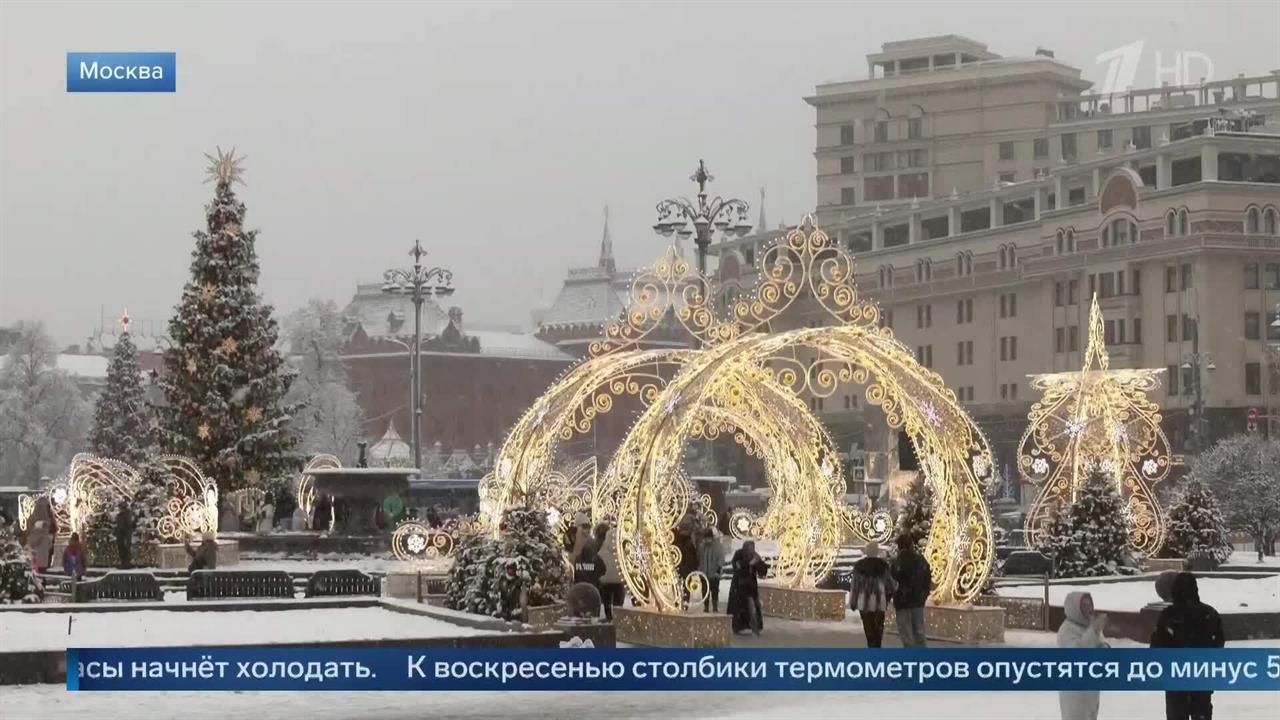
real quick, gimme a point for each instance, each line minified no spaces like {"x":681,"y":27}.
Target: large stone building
{"x":987,"y":199}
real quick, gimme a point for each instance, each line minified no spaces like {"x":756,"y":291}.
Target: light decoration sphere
{"x":746,"y":381}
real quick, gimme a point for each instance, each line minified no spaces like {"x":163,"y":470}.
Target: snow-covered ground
{"x":153,"y":628}
{"x":53,"y":701}
{"x":365,"y":563}
{"x":1260,"y":594}
{"x":1241,"y":557}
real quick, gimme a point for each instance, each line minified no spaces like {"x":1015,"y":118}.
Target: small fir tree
{"x":1195,"y":525}
{"x":916,"y":516}
{"x":1091,"y":536}
{"x":121,"y":427}
{"x":18,"y":583}
{"x":1059,"y":541}
{"x":224,"y":379}
{"x":479,"y":581}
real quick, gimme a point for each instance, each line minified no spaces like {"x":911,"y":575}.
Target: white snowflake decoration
{"x":1040,"y":466}
{"x":1119,"y":433}
{"x":930,"y":413}
{"x":1075,"y":427}
{"x":981,"y":466}
{"x":879,"y":522}
{"x":1106,"y":466}
{"x":59,"y":495}
{"x":1150,"y":467}
{"x":416,"y":543}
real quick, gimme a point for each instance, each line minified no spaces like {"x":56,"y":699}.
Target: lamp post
{"x":418,"y":283}
{"x":1197,"y":362}
{"x":675,"y":215}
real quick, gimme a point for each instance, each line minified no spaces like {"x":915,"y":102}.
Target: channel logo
{"x":122,"y":72}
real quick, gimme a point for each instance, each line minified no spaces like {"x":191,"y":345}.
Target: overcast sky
{"x":494,"y":132}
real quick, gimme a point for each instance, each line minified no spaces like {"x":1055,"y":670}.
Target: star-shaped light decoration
{"x":1150,"y":467}
{"x":229,"y":346}
{"x":124,"y":320}
{"x":981,"y":466}
{"x":191,"y":366}
{"x":1119,"y":433}
{"x":1075,"y":427}
{"x":1040,"y":466}
{"x":224,"y":167}
{"x":202,"y":432}
{"x":207,"y":291}
{"x":232,"y":229}
{"x":930,"y":413}
{"x":253,"y":413}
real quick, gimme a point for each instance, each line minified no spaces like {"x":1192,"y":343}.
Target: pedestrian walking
{"x":124,"y":535}
{"x":74,"y":560}
{"x":1082,"y":628}
{"x":1188,"y":623}
{"x":870,"y":591}
{"x":611,"y":590}
{"x":710,"y":560}
{"x":744,"y":589}
{"x":910,"y":570}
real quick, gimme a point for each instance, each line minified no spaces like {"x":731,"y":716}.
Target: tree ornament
{"x":202,"y":432}
{"x":253,"y":414}
{"x":191,"y":365}
{"x":225,"y":168}
{"x":228,"y":347}
{"x":207,"y":291}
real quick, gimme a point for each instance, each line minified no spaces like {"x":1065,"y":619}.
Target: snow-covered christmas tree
{"x":121,"y":426}
{"x":224,"y":379}
{"x":1090,"y":537}
{"x":479,"y":579}
{"x":916,"y":516}
{"x":18,"y":584}
{"x":1195,"y":524}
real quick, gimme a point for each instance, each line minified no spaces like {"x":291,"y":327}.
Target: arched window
{"x":1013,"y":256}
{"x":1170,"y":223}
{"x":1133,"y":232}
{"x":886,"y":276}
{"x":1269,"y":221}
{"x":1061,"y":247}
{"x":1184,"y":226}
{"x":1004,"y":257}
{"x":1252,"y":221}
{"x":1106,"y":236}
{"x":964,"y":263}
{"x":1071,"y":241}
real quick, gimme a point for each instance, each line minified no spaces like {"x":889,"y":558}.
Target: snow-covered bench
{"x":218,"y":584}
{"x":115,"y":585}
{"x":331,"y":583}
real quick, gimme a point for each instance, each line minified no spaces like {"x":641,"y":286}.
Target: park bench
{"x":219,"y":584}
{"x":115,"y":585}
{"x":333,"y":583}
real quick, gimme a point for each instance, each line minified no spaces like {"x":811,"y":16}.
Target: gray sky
{"x":493,"y":132}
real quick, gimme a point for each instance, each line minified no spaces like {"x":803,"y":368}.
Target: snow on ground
{"x":154,"y":628}
{"x":53,"y":701}
{"x":1260,"y":594}
{"x":1242,"y":557}
{"x":365,"y":563}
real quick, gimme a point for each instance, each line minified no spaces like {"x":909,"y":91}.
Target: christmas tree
{"x":916,"y":516}
{"x":479,"y":580}
{"x":224,"y":380}
{"x":121,"y":429}
{"x":18,"y":584}
{"x":1090,"y":537}
{"x":1196,"y":525}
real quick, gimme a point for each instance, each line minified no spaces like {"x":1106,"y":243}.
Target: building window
{"x":1171,"y":372}
{"x":924,"y":316}
{"x":1271,"y":276}
{"x":913,"y":185}
{"x":1013,"y":391}
{"x":1069,"y":147}
{"x":1186,"y":275}
{"x":1137,"y":331}
{"x":1253,"y":221}
{"x":915,"y":128}
{"x":1269,"y":221}
{"x":1009,"y":302}
{"x":1006,"y":178}
{"x":1171,"y":328}
{"x":1170,"y":278}
{"x":1171,"y":223}
{"x":1251,"y":276}
{"x":847,"y":166}
{"x":1006,"y":151}
{"x":848,"y":196}
{"x":964,"y":263}
{"x":924,"y":270}
{"x":1009,"y":348}
{"x":886,"y":318}
{"x":964,"y":311}
{"x":1273,"y":332}
{"x":1252,"y":378}
{"x":877,"y":188}
{"x":879,"y":162}
{"x":1073,"y":292}
{"x":1059,"y":298}
{"x":1040,"y":147}
{"x":964,"y":352}
{"x":1183,"y":226}
{"x":882,"y":131}
{"x":1252,"y":326}
{"x":1073,"y":338}
{"x":1141,"y":137}
{"x":846,"y":135}
{"x":1104,"y":139}
{"x":1059,"y":340}
{"x":1188,"y":382}
{"x":1188,"y":327}
{"x":1136,"y":276}
{"x":924,"y":355}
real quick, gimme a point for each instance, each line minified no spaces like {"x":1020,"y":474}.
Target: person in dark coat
{"x":744,"y":589}
{"x":204,"y":557}
{"x":589,"y":567}
{"x":870,"y":590}
{"x":911,"y":572}
{"x":1188,"y":623}
{"x":124,"y":535}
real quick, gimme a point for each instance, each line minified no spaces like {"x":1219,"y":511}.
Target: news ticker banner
{"x":982,"y":669}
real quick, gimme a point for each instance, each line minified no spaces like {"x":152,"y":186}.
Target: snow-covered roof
{"x":509,"y":344}
{"x":85,"y":367}
{"x":390,"y":449}
{"x":383,"y":314}
{"x":589,"y":296}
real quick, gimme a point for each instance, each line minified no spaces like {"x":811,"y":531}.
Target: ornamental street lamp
{"x":675,"y":215}
{"x":418,"y":283}
{"x":1197,"y":362}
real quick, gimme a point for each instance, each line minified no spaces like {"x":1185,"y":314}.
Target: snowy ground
{"x":52,"y":701}
{"x":1228,"y":596}
{"x":1241,"y":557}
{"x":152,"y":628}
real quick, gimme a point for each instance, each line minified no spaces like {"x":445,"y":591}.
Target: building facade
{"x":1015,"y":198}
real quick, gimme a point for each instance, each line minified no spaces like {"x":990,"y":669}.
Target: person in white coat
{"x":1082,"y":628}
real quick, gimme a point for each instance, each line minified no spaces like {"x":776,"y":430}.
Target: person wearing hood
{"x":74,"y":558}
{"x":1082,"y":628}
{"x":744,"y":589}
{"x":40,"y":545}
{"x":611,"y":582}
{"x":869,"y":592}
{"x":1188,"y":623}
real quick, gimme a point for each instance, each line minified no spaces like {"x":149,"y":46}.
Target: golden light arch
{"x":768,"y":371}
